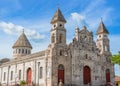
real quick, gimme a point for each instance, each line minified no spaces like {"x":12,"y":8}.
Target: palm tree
{"x":116,"y":58}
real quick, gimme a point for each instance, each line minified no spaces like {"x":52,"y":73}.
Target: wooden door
{"x":61,"y":73}
{"x":107,"y":76}
{"x":29,"y":76}
{"x":87,"y":75}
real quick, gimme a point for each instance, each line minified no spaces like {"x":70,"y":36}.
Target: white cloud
{"x":13,"y":29}
{"x":91,"y":15}
{"x":77,"y":17}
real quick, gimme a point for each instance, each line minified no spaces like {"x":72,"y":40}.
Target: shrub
{"x":22,"y":83}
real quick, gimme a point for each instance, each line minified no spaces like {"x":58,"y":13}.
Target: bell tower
{"x":58,"y":50}
{"x":102,"y":39}
{"x":58,"y":31}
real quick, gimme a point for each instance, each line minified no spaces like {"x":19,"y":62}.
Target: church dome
{"x":4,"y":60}
{"x":22,"y":42}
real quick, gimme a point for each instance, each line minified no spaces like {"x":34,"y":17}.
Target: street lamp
{"x":38,"y":72}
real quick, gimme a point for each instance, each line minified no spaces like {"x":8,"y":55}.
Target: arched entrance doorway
{"x":87,"y":75}
{"x":60,"y":73}
{"x":29,"y":76}
{"x":107,"y":76}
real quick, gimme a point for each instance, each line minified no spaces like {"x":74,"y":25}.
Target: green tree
{"x":116,"y":58}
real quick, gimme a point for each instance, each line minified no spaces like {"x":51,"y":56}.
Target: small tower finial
{"x":58,"y":5}
{"x":101,"y":19}
{"x":22,"y":30}
{"x":77,"y":27}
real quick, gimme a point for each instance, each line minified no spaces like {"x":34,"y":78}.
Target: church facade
{"x":83,"y":62}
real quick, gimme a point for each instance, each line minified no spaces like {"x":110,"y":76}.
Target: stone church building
{"x":83,"y":62}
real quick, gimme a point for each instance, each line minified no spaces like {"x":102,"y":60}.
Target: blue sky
{"x":34,"y":17}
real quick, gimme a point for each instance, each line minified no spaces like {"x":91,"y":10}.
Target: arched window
{"x":61,"y":38}
{"x":11,"y":78}
{"x":54,"y":26}
{"x":86,"y":56}
{"x":53,"y":38}
{"x":41,"y":72}
{"x":105,"y":35}
{"x":19,"y":51}
{"x":85,"y":38}
{"x":60,"y":73}
{"x":22,"y":50}
{"x":60,"y":52}
{"x":99,"y":36}
{"x":19,"y":74}
{"x":4,"y":78}
{"x":60,"y":25}
{"x":106,"y":48}
{"x":16,"y":50}
{"x":26,"y":51}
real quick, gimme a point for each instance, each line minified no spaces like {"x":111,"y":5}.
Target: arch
{"x":16,"y":51}
{"x":85,"y":38}
{"x":26,"y":51}
{"x":60,"y":25}
{"x":54,"y":25}
{"x":53,"y":38}
{"x":19,"y":51}
{"x":106,"y":48}
{"x":60,"y":73}
{"x":86,"y":56}
{"x":87,"y":75}
{"x":60,"y":52}
{"x":19,"y":77}
{"x":29,"y":76}
{"x":41,"y":72}
{"x":4,"y":78}
{"x":29,"y":51}
{"x":22,"y":51}
{"x":11,"y":78}
{"x":61,"y":38}
{"x":107,"y":75}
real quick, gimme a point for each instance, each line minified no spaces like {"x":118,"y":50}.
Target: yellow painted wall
{"x":118,"y":83}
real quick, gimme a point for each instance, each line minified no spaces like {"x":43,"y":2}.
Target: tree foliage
{"x":22,"y":83}
{"x":116,"y":58}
